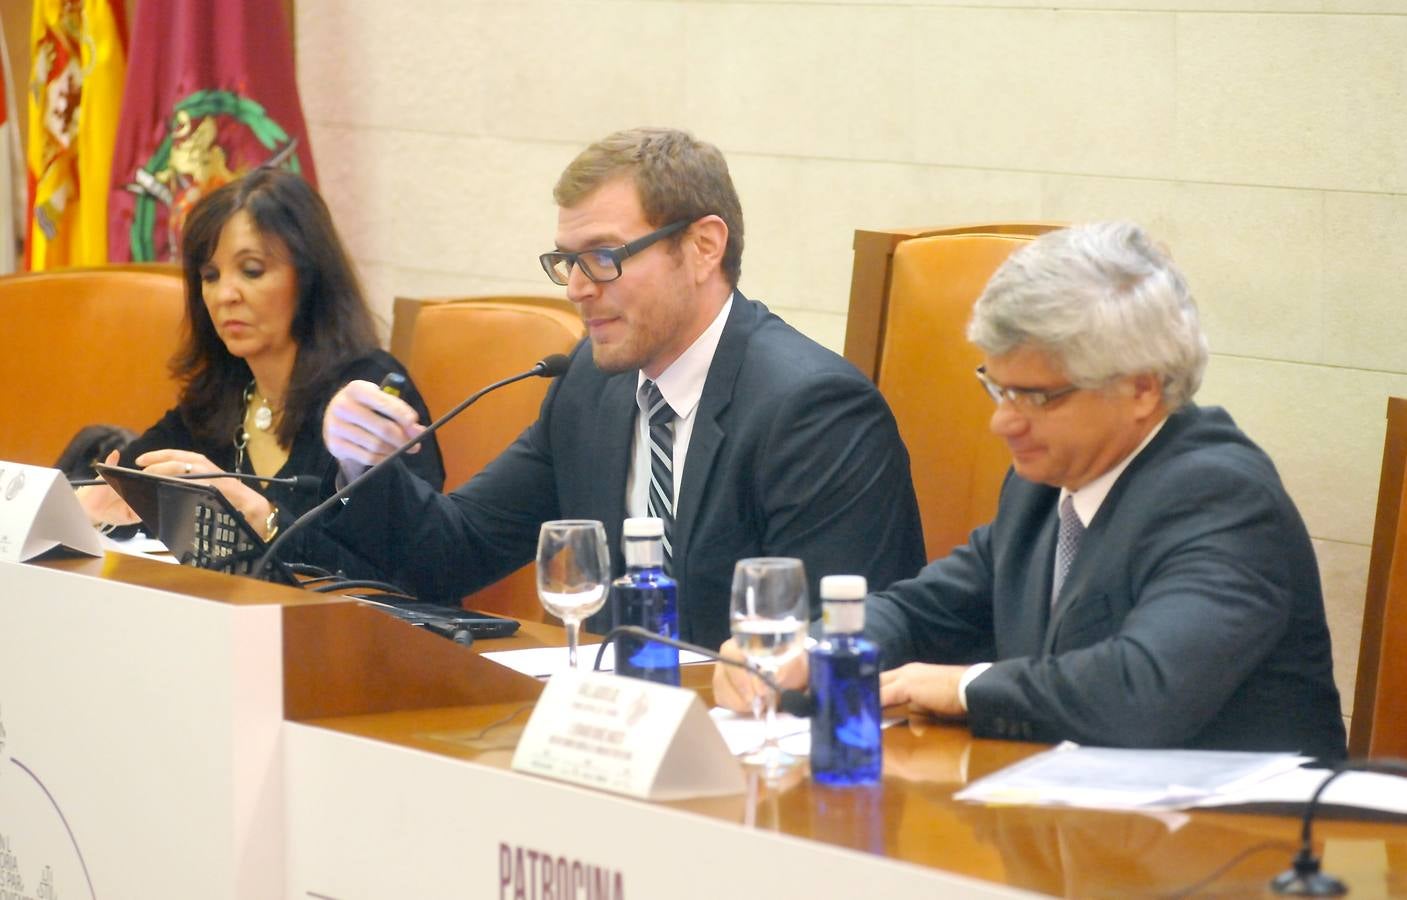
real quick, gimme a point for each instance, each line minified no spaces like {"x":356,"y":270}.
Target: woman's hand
{"x":254,"y":506}
{"x":103,"y":505}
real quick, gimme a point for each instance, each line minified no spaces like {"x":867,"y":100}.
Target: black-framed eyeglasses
{"x":602,"y":263}
{"x":1023,"y":398}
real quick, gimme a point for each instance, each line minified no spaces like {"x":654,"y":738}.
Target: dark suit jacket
{"x":1191,"y":617}
{"x":793,"y":453}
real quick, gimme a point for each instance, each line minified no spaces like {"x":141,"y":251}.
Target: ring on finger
{"x":188,"y":468}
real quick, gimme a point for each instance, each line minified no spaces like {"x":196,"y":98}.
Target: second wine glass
{"x":769,"y":617}
{"x":573,"y":571}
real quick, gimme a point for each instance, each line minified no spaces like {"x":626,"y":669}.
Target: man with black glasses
{"x":687,"y":401}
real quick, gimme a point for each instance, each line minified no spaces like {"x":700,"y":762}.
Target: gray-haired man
{"x":1146,"y":581}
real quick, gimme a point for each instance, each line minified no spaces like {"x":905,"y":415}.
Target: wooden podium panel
{"x":344,"y":659}
{"x":370,"y":819}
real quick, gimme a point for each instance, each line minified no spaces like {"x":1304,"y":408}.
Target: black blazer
{"x":1191,"y":617}
{"x":793,"y":453}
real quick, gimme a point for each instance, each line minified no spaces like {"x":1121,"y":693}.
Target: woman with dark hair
{"x":276,"y":323}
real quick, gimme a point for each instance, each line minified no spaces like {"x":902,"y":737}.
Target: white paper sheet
{"x":745,"y":733}
{"x":1360,"y":790}
{"x":1108,"y":778}
{"x":544,"y":662}
{"x":139,"y":545}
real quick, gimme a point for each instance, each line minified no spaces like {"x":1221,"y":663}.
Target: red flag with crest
{"x":210,"y":94}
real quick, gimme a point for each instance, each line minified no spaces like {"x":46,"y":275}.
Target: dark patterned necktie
{"x":661,"y":502}
{"x":1067,"y":544}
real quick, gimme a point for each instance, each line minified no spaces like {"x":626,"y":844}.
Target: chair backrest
{"x":870,"y":279}
{"x":459,"y":346}
{"x":1379,"y":723}
{"x":85,"y":346}
{"x":917,"y":294}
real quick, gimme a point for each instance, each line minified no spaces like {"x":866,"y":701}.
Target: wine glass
{"x":769,"y":617}
{"x":573,"y":570}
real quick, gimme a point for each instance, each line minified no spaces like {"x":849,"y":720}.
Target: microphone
{"x":1303,"y":878}
{"x":548,"y":367}
{"x":302,"y":482}
{"x":798,"y":703}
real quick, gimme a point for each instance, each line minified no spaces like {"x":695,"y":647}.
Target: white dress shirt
{"x":681,"y":385}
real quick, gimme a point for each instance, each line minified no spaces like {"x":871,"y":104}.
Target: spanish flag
{"x":78,"y":61}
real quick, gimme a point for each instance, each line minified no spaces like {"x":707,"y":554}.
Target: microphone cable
{"x":305,"y":482}
{"x":1304,"y":878}
{"x":383,"y":588}
{"x":797,"y":703}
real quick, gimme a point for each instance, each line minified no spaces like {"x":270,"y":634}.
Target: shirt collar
{"x":1089,"y":498}
{"x":682,"y":383}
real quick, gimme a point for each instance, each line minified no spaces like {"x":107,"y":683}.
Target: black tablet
{"x":196,"y":522}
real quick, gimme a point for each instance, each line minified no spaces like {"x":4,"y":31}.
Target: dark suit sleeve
{"x":1211,"y":570}
{"x":835,"y":484}
{"x":316,"y":545}
{"x":442,"y":547}
{"x":944,"y":614}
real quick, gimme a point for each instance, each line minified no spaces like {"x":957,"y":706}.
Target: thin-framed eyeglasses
{"x":602,"y":263}
{"x":1023,"y":398}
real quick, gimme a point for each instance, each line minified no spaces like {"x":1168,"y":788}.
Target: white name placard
{"x":627,"y":736}
{"x":39,"y":511}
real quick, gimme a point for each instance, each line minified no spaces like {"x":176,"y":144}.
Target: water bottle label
{"x":843,"y":617}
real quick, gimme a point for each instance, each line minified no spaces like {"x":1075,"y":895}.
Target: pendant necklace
{"x":263,"y":415}
{"x":263,"y":420}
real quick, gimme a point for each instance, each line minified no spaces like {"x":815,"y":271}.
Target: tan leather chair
{"x":82,"y":347}
{"x":459,"y":346}
{"x":1379,"y":724}
{"x":911,"y":296}
{"x":870,"y":278}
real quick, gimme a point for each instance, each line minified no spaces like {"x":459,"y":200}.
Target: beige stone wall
{"x":1264,"y":140}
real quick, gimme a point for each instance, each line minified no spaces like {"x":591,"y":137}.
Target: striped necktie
{"x":661,"y":499}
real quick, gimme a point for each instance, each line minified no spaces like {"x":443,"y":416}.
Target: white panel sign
{"x":627,"y":736}
{"x":139,"y":742}
{"x":370,"y":820}
{"x":39,"y":511}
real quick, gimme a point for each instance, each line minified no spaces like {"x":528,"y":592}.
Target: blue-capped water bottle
{"x":647,"y":597}
{"x":845,"y":738}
